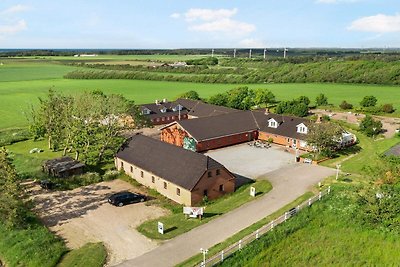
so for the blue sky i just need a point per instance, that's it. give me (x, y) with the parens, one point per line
(199, 23)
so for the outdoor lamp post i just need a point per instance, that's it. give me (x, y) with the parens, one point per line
(337, 170)
(204, 251)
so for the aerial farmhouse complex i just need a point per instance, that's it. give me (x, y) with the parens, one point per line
(179, 174)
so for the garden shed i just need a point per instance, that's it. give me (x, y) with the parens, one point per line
(63, 167)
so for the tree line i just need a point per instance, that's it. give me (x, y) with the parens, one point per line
(89, 124)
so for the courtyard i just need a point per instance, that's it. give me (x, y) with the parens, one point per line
(252, 162)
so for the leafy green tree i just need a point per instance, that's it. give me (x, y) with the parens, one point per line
(344, 105)
(321, 100)
(219, 100)
(303, 99)
(263, 97)
(240, 98)
(368, 101)
(12, 210)
(324, 137)
(370, 127)
(292, 108)
(190, 95)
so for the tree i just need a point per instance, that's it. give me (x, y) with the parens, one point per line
(368, 101)
(190, 95)
(303, 99)
(263, 97)
(370, 127)
(387, 108)
(344, 105)
(324, 137)
(240, 98)
(219, 100)
(12, 211)
(292, 108)
(321, 100)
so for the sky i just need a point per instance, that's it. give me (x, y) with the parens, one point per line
(159, 24)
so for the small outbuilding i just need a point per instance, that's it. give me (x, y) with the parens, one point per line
(63, 167)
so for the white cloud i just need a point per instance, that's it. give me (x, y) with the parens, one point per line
(209, 14)
(11, 29)
(379, 23)
(224, 25)
(251, 43)
(175, 16)
(15, 9)
(215, 20)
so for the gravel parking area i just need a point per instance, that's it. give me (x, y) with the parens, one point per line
(252, 162)
(83, 215)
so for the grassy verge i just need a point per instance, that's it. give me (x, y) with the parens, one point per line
(13, 135)
(235, 238)
(176, 223)
(90, 255)
(327, 234)
(31, 247)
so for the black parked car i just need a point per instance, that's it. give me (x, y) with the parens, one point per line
(124, 198)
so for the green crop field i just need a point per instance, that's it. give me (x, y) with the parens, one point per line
(22, 82)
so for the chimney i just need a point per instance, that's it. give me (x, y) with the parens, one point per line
(157, 102)
(266, 111)
(319, 119)
(165, 100)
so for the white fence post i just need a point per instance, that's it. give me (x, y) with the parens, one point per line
(222, 255)
(272, 224)
(329, 189)
(298, 208)
(320, 195)
(240, 244)
(309, 202)
(285, 215)
(257, 233)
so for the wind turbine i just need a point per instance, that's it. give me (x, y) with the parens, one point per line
(265, 52)
(250, 53)
(234, 53)
(284, 52)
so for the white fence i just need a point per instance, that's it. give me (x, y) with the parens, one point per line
(223, 254)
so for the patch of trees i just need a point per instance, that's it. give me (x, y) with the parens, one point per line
(203, 61)
(324, 137)
(88, 124)
(243, 98)
(193, 95)
(370, 127)
(12, 210)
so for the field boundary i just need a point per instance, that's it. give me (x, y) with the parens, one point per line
(237, 246)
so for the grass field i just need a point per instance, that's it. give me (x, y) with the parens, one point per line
(90, 255)
(22, 82)
(324, 235)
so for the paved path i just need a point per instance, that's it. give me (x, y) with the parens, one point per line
(288, 184)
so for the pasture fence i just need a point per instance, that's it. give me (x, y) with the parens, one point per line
(237, 246)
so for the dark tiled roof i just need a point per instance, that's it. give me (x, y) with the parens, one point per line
(62, 164)
(393, 151)
(175, 164)
(222, 125)
(286, 124)
(155, 109)
(206, 110)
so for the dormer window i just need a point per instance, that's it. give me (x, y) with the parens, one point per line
(163, 110)
(272, 123)
(177, 108)
(146, 111)
(301, 128)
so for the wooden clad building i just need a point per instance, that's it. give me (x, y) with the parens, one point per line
(179, 174)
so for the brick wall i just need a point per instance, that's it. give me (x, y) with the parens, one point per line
(226, 141)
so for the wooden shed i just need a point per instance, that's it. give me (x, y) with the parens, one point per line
(63, 167)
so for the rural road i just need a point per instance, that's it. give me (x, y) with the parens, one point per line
(288, 184)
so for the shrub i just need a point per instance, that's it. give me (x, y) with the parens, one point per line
(370, 127)
(345, 105)
(110, 175)
(387, 108)
(368, 101)
(321, 100)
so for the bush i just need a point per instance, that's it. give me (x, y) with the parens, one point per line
(387, 108)
(110, 175)
(321, 100)
(344, 105)
(368, 101)
(370, 127)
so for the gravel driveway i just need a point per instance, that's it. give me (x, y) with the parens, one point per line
(83, 215)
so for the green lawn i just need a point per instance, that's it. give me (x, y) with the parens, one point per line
(176, 223)
(324, 235)
(371, 150)
(90, 255)
(32, 247)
